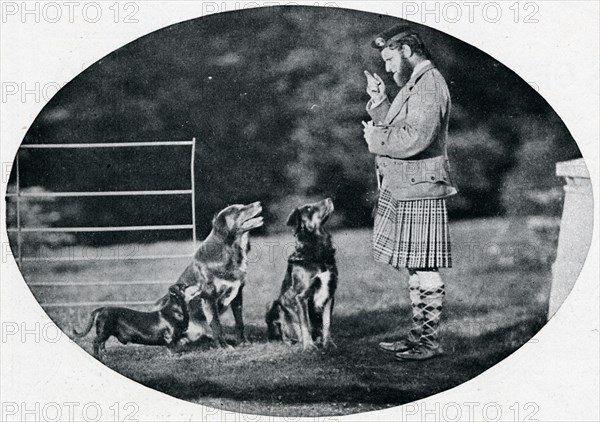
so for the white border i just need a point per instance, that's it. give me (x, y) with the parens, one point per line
(559, 54)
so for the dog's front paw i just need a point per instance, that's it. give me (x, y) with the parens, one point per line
(222, 344)
(309, 347)
(244, 342)
(329, 344)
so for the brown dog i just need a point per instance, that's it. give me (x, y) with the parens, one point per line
(219, 270)
(305, 305)
(160, 328)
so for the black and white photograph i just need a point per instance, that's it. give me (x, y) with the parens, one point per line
(297, 210)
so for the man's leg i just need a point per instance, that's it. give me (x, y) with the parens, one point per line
(430, 300)
(432, 292)
(417, 308)
(416, 330)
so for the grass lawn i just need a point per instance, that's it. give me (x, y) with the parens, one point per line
(496, 301)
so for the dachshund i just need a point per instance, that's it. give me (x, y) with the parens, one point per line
(159, 328)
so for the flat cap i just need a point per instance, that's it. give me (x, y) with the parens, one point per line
(392, 34)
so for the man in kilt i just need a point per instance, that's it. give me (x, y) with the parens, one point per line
(408, 137)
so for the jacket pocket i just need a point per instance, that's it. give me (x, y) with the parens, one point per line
(429, 171)
(415, 180)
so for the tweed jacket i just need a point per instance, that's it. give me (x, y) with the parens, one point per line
(409, 138)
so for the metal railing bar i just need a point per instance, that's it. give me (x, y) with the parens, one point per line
(102, 258)
(106, 193)
(99, 229)
(101, 283)
(108, 145)
(98, 304)
(193, 183)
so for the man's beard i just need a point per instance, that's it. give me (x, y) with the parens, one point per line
(406, 69)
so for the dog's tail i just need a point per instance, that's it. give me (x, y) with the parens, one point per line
(89, 325)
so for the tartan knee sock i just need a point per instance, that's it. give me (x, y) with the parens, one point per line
(417, 310)
(431, 304)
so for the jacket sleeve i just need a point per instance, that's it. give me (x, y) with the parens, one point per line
(414, 133)
(378, 111)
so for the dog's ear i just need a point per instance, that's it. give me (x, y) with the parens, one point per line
(218, 220)
(219, 223)
(294, 218)
(174, 290)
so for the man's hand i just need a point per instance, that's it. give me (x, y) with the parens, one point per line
(375, 87)
(368, 129)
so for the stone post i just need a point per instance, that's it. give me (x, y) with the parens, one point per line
(576, 228)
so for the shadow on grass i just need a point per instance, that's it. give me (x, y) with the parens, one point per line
(355, 372)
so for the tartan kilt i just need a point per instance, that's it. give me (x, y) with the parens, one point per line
(411, 234)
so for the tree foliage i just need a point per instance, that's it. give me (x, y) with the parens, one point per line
(275, 98)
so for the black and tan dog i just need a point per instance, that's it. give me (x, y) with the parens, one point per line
(160, 328)
(305, 305)
(219, 270)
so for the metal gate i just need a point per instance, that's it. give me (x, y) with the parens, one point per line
(20, 196)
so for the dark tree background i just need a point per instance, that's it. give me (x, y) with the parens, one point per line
(275, 97)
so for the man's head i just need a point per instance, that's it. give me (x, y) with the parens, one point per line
(401, 49)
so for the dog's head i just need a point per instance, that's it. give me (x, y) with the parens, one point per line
(176, 292)
(179, 293)
(310, 218)
(238, 219)
(176, 302)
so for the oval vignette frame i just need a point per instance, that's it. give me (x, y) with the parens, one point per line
(381, 320)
